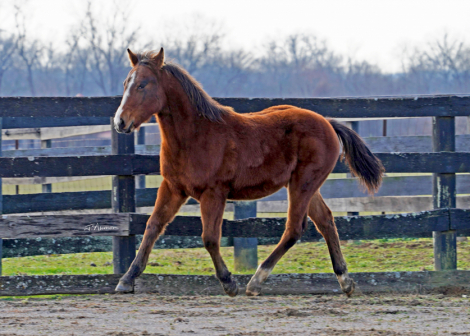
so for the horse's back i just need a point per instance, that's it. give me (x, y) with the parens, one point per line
(271, 144)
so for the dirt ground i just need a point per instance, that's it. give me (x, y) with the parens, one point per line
(147, 314)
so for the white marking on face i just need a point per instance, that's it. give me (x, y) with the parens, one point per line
(117, 117)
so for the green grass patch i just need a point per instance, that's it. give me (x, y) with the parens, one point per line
(384, 255)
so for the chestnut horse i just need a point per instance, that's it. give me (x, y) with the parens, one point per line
(212, 154)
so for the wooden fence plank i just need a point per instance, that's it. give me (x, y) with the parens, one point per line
(460, 219)
(391, 186)
(64, 225)
(393, 204)
(27, 122)
(341, 195)
(276, 284)
(58, 284)
(369, 204)
(80, 200)
(48, 133)
(59, 106)
(316, 283)
(75, 151)
(128, 164)
(135, 164)
(357, 227)
(443, 162)
(406, 144)
(412, 144)
(47, 179)
(387, 107)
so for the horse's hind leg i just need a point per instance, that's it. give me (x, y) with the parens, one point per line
(321, 215)
(167, 205)
(300, 193)
(212, 210)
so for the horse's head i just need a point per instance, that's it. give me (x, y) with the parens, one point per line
(143, 92)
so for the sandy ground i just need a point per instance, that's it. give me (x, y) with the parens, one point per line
(146, 314)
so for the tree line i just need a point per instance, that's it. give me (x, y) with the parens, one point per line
(94, 63)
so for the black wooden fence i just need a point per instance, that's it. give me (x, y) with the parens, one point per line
(445, 221)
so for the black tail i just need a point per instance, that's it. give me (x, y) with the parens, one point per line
(362, 163)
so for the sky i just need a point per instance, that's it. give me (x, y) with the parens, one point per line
(376, 31)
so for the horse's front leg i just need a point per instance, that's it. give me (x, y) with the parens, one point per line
(168, 202)
(212, 211)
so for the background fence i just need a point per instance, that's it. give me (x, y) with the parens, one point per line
(436, 193)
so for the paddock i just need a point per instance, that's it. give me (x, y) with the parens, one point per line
(150, 314)
(447, 219)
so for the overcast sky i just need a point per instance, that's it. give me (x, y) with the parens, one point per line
(372, 30)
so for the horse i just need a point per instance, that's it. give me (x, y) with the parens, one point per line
(213, 154)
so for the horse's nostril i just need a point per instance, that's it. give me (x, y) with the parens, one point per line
(121, 124)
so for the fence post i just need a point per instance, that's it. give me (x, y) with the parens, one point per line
(444, 194)
(123, 200)
(1, 196)
(354, 125)
(140, 140)
(245, 249)
(46, 188)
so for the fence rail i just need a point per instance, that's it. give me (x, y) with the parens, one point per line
(419, 224)
(123, 163)
(135, 164)
(347, 190)
(62, 108)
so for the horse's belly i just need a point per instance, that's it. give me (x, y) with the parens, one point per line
(253, 192)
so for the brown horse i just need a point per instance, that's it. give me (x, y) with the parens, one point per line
(212, 154)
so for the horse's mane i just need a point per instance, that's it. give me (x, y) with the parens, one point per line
(200, 100)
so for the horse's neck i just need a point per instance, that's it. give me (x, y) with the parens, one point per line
(178, 124)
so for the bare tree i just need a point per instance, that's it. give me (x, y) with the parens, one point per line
(195, 43)
(361, 78)
(443, 66)
(8, 46)
(28, 50)
(300, 66)
(107, 43)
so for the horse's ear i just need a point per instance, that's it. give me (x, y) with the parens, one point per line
(159, 58)
(132, 58)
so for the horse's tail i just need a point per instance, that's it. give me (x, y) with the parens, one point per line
(362, 163)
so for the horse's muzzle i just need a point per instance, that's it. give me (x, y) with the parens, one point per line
(121, 127)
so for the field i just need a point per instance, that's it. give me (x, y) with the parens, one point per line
(309, 257)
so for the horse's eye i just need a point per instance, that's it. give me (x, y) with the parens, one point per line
(142, 85)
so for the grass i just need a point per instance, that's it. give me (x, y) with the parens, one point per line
(312, 257)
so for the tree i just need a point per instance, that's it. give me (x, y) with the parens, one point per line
(8, 46)
(106, 43)
(29, 50)
(443, 66)
(299, 66)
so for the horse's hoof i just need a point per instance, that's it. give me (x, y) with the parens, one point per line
(231, 288)
(349, 288)
(123, 287)
(253, 290)
(252, 293)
